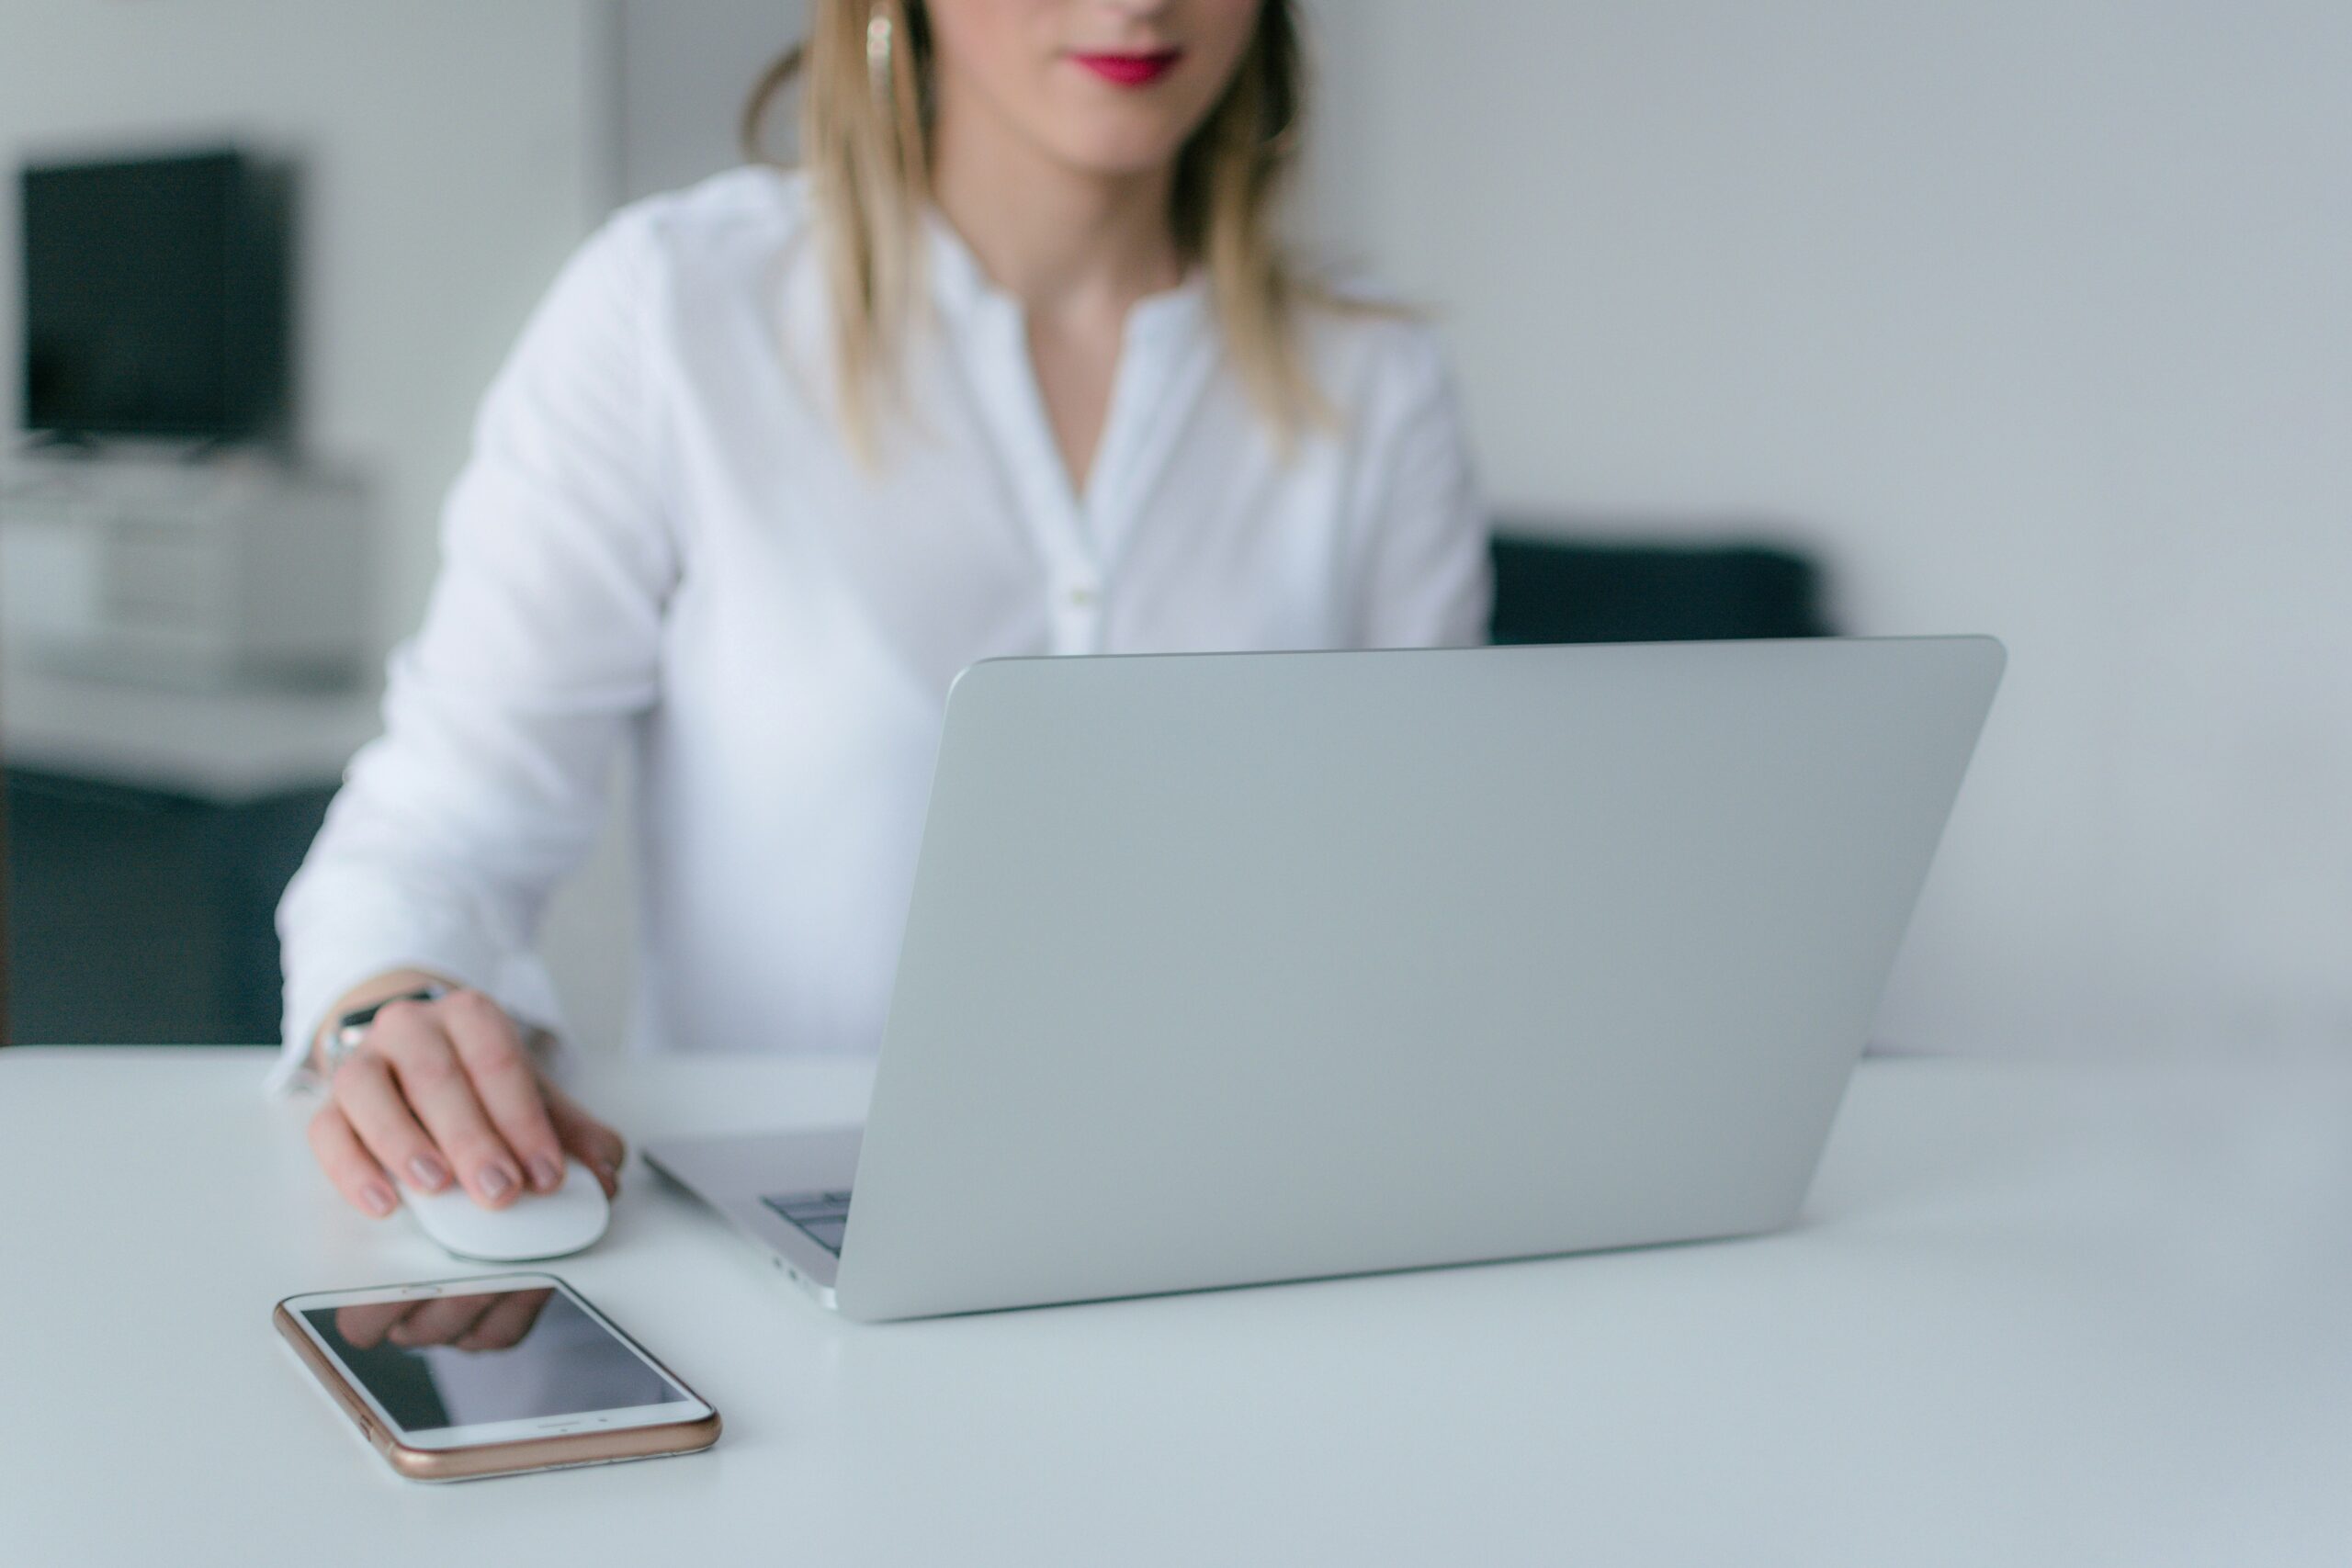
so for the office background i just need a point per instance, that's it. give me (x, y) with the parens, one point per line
(2029, 317)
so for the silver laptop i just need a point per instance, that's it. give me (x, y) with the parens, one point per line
(1231, 968)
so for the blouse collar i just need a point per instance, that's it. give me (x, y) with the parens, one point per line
(962, 290)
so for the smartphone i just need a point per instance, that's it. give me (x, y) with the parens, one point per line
(454, 1379)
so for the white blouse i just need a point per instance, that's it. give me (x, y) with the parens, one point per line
(660, 544)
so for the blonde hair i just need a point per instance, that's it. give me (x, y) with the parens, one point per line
(864, 126)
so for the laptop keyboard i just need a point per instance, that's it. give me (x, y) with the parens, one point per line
(821, 1216)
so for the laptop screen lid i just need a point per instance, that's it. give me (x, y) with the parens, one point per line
(1229, 968)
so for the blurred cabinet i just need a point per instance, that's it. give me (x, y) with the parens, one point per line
(149, 834)
(142, 917)
(219, 574)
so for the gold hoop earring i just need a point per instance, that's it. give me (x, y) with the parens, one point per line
(878, 51)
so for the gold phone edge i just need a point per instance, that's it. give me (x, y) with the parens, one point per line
(500, 1459)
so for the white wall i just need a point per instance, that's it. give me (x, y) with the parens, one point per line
(2037, 315)
(682, 74)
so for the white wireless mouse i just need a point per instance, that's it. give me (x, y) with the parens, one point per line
(537, 1225)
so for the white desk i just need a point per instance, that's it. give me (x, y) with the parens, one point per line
(2035, 1315)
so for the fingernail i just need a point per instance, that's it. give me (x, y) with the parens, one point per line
(430, 1173)
(375, 1198)
(496, 1180)
(545, 1175)
(610, 1177)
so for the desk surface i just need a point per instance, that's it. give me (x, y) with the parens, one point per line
(2033, 1314)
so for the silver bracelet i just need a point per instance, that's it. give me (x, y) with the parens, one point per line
(351, 1029)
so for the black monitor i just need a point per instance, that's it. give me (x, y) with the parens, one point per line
(156, 298)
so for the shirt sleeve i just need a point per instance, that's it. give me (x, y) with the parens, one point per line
(1425, 576)
(540, 644)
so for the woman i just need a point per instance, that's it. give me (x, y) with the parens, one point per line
(1011, 365)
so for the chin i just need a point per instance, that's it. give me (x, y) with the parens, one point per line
(1119, 150)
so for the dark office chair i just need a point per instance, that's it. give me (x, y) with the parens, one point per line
(1553, 584)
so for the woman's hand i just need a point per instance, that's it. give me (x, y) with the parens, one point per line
(443, 1090)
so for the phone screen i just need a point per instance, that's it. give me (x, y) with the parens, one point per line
(469, 1360)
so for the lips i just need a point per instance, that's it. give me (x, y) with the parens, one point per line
(1131, 69)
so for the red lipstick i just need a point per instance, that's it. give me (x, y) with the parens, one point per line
(1131, 69)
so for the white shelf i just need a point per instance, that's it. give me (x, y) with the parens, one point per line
(227, 747)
